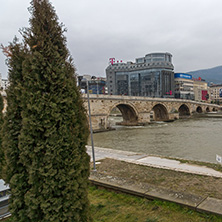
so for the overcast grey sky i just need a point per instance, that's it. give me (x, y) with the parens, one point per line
(191, 30)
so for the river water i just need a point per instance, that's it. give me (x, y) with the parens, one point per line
(195, 139)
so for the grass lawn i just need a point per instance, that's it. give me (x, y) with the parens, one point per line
(108, 206)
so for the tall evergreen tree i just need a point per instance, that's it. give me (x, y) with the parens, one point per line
(13, 171)
(54, 124)
(2, 157)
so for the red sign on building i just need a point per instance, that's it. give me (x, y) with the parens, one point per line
(112, 61)
(204, 95)
(197, 79)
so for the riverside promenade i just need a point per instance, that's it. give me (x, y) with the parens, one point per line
(199, 203)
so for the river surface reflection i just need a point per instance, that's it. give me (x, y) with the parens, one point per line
(196, 139)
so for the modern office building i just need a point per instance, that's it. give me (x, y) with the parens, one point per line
(97, 85)
(4, 84)
(183, 86)
(150, 76)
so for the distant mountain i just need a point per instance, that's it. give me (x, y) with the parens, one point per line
(210, 75)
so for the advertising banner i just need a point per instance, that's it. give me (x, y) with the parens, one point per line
(182, 75)
(204, 95)
(220, 92)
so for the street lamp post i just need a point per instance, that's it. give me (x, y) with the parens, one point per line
(90, 124)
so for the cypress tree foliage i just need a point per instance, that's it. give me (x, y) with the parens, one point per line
(54, 124)
(2, 158)
(13, 171)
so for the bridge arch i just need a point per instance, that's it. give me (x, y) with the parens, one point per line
(129, 113)
(160, 113)
(199, 109)
(214, 109)
(184, 110)
(207, 109)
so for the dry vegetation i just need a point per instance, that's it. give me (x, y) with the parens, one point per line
(152, 178)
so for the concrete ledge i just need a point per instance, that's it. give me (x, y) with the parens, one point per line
(187, 200)
(211, 205)
(128, 190)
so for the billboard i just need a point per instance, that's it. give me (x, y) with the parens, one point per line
(204, 95)
(182, 75)
(220, 92)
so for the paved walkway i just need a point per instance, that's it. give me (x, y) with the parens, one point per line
(199, 203)
(153, 161)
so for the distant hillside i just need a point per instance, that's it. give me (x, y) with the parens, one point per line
(210, 75)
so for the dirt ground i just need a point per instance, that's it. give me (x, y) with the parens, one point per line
(145, 177)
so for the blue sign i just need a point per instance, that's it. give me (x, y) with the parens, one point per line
(182, 75)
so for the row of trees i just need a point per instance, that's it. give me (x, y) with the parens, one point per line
(43, 155)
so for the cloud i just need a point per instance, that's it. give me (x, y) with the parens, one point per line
(127, 29)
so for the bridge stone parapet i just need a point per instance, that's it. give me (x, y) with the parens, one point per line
(141, 110)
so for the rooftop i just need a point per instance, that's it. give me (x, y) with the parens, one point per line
(3, 186)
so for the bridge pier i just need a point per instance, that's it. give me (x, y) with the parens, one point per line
(173, 116)
(143, 118)
(99, 122)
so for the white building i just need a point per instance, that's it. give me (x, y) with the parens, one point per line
(216, 93)
(184, 88)
(200, 90)
(4, 84)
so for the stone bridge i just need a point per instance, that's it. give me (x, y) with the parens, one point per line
(140, 110)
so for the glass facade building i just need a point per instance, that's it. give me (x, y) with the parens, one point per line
(96, 85)
(150, 76)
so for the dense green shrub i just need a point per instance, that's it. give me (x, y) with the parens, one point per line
(14, 172)
(2, 158)
(52, 128)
